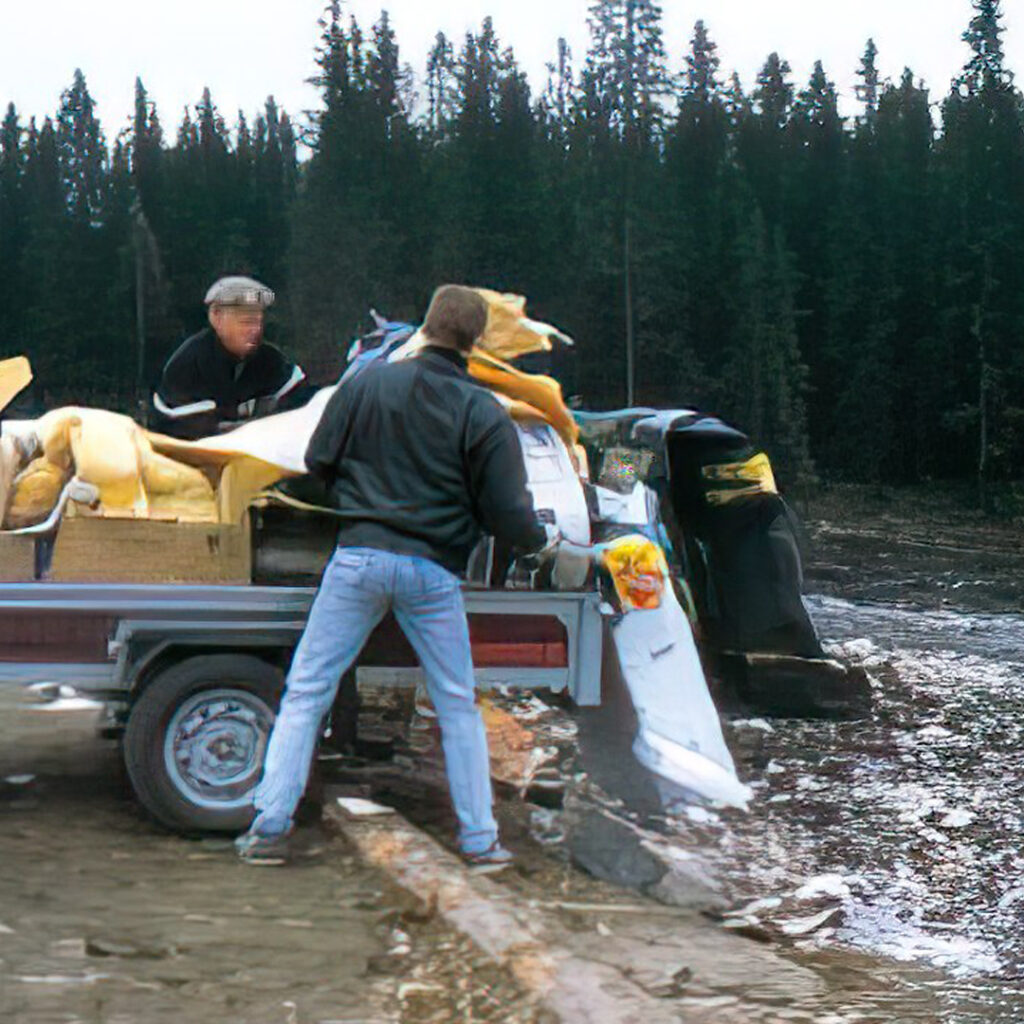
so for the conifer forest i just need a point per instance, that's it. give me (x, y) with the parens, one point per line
(849, 290)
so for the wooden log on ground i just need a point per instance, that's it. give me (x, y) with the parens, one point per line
(522, 939)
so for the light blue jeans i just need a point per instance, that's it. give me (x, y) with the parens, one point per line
(358, 588)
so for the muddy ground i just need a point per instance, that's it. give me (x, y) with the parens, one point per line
(926, 548)
(905, 826)
(106, 919)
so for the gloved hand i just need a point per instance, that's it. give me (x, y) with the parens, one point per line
(535, 559)
(550, 549)
(572, 565)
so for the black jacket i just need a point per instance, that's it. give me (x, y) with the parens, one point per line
(205, 390)
(420, 460)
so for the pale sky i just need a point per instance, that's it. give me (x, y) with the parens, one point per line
(245, 49)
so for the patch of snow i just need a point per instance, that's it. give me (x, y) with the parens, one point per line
(669, 852)
(823, 885)
(933, 732)
(957, 818)
(60, 979)
(880, 929)
(861, 648)
(935, 836)
(754, 908)
(796, 926)
(810, 784)
(70, 704)
(701, 815)
(760, 724)
(1010, 897)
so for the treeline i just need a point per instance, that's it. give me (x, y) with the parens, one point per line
(848, 290)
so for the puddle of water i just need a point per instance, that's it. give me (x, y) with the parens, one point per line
(997, 637)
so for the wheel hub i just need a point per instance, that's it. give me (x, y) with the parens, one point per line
(214, 747)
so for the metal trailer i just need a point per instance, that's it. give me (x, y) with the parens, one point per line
(191, 674)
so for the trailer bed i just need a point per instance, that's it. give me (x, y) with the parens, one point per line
(99, 637)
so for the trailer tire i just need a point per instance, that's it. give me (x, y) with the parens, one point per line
(196, 737)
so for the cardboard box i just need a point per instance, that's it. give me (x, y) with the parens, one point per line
(17, 559)
(89, 550)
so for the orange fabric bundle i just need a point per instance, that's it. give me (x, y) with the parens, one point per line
(534, 389)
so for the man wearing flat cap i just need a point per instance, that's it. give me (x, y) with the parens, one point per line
(227, 374)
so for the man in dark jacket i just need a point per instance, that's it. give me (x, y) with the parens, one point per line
(419, 460)
(226, 374)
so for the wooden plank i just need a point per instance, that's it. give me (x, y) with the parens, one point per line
(94, 550)
(17, 559)
(523, 939)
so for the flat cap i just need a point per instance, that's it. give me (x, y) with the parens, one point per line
(239, 291)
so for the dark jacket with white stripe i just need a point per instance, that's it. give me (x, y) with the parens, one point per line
(205, 390)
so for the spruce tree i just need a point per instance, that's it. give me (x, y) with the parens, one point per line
(626, 65)
(13, 228)
(624, 82)
(812, 223)
(85, 266)
(489, 180)
(146, 150)
(985, 68)
(764, 138)
(909, 224)
(981, 163)
(49, 324)
(82, 151)
(762, 378)
(441, 86)
(868, 88)
(695, 284)
(357, 234)
(556, 102)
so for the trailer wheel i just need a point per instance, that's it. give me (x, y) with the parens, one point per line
(196, 737)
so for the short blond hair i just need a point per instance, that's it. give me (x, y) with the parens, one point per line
(457, 317)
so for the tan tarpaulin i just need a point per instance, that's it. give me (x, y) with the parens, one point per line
(510, 332)
(15, 376)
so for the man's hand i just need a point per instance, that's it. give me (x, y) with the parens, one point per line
(533, 560)
(550, 549)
